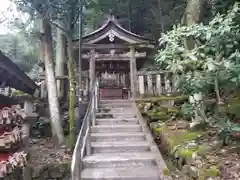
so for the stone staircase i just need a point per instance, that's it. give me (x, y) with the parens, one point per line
(121, 147)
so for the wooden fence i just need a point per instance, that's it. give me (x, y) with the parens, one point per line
(156, 83)
(149, 83)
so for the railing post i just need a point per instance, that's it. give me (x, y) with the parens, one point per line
(150, 84)
(141, 85)
(159, 84)
(88, 143)
(93, 111)
(96, 98)
(83, 144)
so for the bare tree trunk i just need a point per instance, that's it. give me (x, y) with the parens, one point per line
(60, 60)
(161, 15)
(80, 52)
(72, 96)
(41, 61)
(194, 12)
(51, 83)
(193, 15)
(129, 16)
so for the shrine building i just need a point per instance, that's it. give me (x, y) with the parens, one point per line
(113, 55)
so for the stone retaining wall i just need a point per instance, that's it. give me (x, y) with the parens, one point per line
(44, 172)
(47, 172)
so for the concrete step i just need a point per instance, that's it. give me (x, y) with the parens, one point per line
(117, 121)
(116, 128)
(115, 110)
(115, 115)
(120, 136)
(115, 105)
(137, 173)
(120, 147)
(120, 101)
(119, 160)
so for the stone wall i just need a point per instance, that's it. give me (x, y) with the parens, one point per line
(16, 175)
(47, 172)
(44, 172)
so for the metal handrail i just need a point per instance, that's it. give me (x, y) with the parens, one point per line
(83, 144)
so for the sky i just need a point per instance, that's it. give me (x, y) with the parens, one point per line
(5, 12)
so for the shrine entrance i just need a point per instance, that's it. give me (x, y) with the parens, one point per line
(114, 79)
(113, 55)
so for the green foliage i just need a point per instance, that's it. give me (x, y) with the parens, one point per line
(215, 56)
(41, 128)
(155, 15)
(187, 110)
(18, 48)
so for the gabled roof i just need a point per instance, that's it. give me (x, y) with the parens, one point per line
(11, 75)
(112, 30)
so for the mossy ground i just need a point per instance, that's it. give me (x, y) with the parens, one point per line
(199, 149)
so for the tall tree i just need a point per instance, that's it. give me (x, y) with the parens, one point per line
(46, 11)
(51, 83)
(60, 58)
(73, 13)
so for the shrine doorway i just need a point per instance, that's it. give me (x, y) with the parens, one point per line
(114, 79)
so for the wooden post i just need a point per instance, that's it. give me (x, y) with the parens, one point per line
(7, 91)
(141, 85)
(133, 71)
(28, 107)
(168, 88)
(28, 110)
(175, 78)
(159, 84)
(86, 89)
(92, 61)
(150, 84)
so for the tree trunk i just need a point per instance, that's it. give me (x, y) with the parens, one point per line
(41, 61)
(81, 21)
(72, 96)
(194, 12)
(161, 15)
(60, 60)
(193, 15)
(129, 16)
(51, 83)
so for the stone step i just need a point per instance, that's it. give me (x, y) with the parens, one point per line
(120, 136)
(115, 110)
(119, 160)
(116, 128)
(120, 101)
(117, 121)
(136, 173)
(115, 105)
(119, 147)
(115, 115)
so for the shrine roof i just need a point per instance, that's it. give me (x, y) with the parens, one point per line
(112, 31)
(11, 75)
(5, 100)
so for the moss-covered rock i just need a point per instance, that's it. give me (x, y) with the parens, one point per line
(210, 172)
(159, 130)
(187, 153)
(163, 98)
(166, 172)
(155, 116)
(204, 149)
(182, 136)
